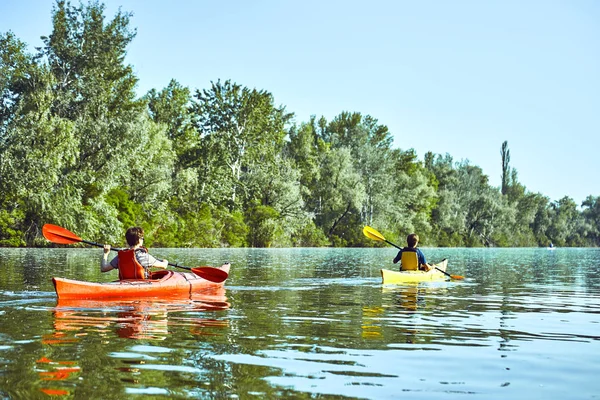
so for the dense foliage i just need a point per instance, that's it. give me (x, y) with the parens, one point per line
(226, 166)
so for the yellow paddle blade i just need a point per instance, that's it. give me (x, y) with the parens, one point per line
(373, 234)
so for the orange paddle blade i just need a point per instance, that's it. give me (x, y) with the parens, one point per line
(60, 235)
(459, 277)
(210, 274)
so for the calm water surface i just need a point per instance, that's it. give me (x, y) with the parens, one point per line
(309, 323)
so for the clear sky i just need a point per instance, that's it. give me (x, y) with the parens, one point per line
(457, 77)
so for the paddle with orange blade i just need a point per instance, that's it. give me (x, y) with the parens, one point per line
(60, 235)
(375, 235)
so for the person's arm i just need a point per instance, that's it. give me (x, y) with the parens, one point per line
(398, 257)
(105, 265)
(423, 261)
(161, 264)
(156, 263)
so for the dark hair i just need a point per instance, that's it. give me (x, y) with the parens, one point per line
(412, 240)
(133, 235)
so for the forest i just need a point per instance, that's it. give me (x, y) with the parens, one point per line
(225, 166)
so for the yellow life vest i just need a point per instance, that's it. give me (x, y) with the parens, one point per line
(409, 261)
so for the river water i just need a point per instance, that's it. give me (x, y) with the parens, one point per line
(309, 323)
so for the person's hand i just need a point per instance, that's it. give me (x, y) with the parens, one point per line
(106, 248)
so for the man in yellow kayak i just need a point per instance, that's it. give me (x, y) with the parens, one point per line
(411, 258)
(134, 262)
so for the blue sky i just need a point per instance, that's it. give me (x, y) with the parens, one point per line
(457, 77)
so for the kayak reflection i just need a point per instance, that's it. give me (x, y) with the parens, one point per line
(410, 297)
(147, 319)
(402, 315)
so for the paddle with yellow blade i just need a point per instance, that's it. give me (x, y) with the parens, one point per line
(60, 235)
(375, 235)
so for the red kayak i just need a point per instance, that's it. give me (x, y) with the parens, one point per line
(164, 284)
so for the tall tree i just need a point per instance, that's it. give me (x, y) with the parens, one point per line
(86, 54)
(340, 195)
(505, 153)
(448, 215)
(16, 66)
(172, 108)
(591, 215)
(566, 223)
(306, 148)
(373, 160)
(412, 195)
(80, 132)
(35, 145)
(236, 127)
(277, 214)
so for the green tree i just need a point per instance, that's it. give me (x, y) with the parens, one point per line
(376, 165)
(86, 55)
(591, 215)
(340, 194)
(16, 65)
(77, 131)
(469, 211)
(236, 128)
(306, 148)
(483, 205)
(35, 145)
(17, 70)
(531, 221)
(566, 221)
(448, 216)
(278, 198)
(505, 153)
(172, 107)
(542, 221)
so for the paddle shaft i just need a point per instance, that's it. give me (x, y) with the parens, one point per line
(99, 245)
(395, 245)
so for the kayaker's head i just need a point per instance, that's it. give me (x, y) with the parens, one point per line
(412, 240)
(134, 236)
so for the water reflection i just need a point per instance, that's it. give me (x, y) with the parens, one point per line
(406, 298)
(74, 321)
(148, 319)
(409, 298)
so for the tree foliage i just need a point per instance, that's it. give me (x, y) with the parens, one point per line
(226, 165)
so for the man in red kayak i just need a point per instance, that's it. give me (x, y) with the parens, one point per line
(412, 258)
(134, 262)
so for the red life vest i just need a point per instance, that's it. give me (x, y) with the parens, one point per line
(129, 267)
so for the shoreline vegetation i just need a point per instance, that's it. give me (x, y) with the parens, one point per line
(225, 166)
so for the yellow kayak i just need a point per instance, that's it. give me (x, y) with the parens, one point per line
(389, 276)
